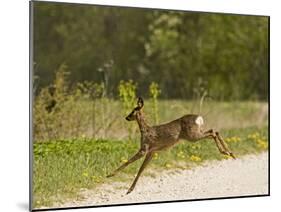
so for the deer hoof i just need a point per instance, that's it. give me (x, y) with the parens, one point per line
(129, 191)
(232, 156)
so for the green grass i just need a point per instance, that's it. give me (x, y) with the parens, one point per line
(63, 167)
(77, 119)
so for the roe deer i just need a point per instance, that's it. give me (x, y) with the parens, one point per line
(157, 138)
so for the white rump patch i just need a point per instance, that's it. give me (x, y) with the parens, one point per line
(199, 120)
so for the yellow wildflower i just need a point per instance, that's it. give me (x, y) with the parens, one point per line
(96, 178)
(227, 156)
(155, 156)
(85, 174)
(124, 160)
(262, 144)
(168, 165)
(181, 154)
(235, 139)
(195, 158)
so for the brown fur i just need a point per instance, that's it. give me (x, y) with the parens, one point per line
(160, 137)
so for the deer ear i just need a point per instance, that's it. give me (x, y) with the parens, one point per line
(140, 102)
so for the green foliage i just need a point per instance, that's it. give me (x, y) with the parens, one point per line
(62, 168)
(154, 92)
(228, 52)
(48, 118)
(83, 111)
(91, 90)
(187, 47)
(127, 95)
(63, 112)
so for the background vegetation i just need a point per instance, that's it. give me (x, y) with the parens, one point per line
(90, 64)
(227, 55)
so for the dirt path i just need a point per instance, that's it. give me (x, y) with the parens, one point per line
(245, 176)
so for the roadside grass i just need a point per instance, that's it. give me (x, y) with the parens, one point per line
(62, 167)
(239, 114)
(105, 118)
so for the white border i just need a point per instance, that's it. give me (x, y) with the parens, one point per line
(14, 104)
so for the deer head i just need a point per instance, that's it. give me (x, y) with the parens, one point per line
(133, 115)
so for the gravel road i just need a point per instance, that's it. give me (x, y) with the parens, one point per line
(245, 176)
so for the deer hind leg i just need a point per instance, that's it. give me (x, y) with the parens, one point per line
(137, 156)
(224, 145)
(221, 145)
(144, 164)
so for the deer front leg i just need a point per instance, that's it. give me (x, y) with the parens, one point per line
(144, 164)
(221, 145)
(137, 156)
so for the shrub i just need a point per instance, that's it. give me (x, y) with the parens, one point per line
(127, 95)
(154, 92)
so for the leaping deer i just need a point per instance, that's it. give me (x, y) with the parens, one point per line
(160, 137)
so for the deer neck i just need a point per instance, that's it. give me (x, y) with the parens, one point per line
(141, 122)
